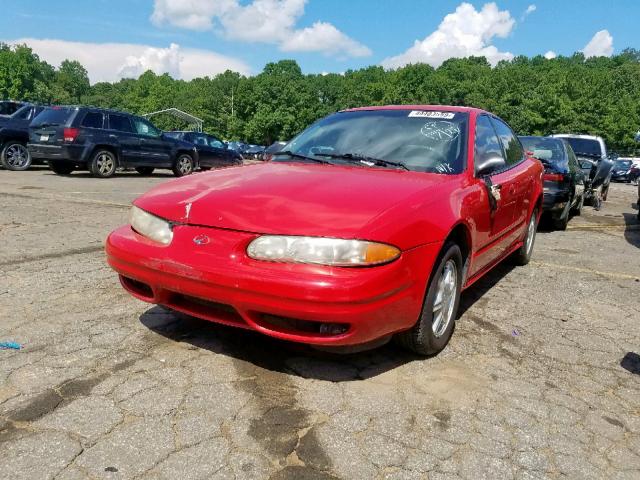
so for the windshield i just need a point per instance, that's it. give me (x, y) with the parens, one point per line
(54, 116)
(422, 141)
(623, 164)
(545, 149)
(585, 146)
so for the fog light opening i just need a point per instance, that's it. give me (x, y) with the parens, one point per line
(333, 328)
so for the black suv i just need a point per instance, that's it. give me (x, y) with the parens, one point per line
(14, 135)
(102, 140)
(212, 152)
(9, 107)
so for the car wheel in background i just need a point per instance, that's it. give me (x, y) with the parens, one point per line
(61, 168)
(15, 156)
(432, 331)
(183, 165)
(562, 221)
(145, 170)
(523, 255)
(103, 164)
(577, 210)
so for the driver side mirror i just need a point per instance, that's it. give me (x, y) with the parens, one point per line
(490, 164)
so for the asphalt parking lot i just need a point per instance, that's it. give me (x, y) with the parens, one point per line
(540, 380)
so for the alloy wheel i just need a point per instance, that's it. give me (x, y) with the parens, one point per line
(17, 156)
(184, 165)
(531, 233)
(105, 164)
(445, 298)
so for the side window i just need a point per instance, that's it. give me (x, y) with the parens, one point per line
(144, 127)
(215, 143)
(24, 113)
(487, 143)
(199, 139)
(93, 120)
(514, 152)
(120, 123)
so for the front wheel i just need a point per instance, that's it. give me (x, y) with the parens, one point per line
(15, 156)
(434, 328)
(103, 164)
(61, 168)
(523, 255)
(183, 165)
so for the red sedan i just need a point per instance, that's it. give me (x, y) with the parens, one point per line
(368, 224)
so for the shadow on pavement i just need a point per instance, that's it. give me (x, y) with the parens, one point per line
(632, 229)
(273, 354)
(482, 286)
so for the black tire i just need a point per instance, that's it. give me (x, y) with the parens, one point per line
(15, 156)
(605, 192)
(103, 164)
(183, 165)
(523, 254)
(61, 168)
(421, 338)
(562, 222)
(577, 210)
(145, 170)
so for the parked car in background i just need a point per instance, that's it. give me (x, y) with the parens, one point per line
(592, 155)
(254, 151)
(9, 107)
(621, 170)
(634, 173)
(212, 152)
(563, 178)
(275, 147)
(101, 141)
(14, 135)
(369, 225)
(237, 146)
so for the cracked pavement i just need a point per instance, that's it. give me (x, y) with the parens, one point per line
(541, 378)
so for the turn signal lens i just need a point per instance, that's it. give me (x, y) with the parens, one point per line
(323, 251)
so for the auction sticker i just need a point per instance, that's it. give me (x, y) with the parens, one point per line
(432, 114)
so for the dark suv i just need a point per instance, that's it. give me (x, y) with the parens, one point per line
(14, 135)
(102, 140)
(212, 152)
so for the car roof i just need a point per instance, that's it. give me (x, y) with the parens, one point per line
(446, 108)
(576, 135)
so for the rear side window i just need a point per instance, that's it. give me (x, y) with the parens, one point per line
(512, 147)
(23, 114)
(120, 123)
(199, 139)
(93, 120)
(54, 116)
(487, 143)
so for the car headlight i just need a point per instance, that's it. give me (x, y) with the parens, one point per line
(150, 226)
(319, 250)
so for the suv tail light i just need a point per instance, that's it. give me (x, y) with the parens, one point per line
(70, 134)
(554, 177)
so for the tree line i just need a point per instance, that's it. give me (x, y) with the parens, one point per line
(536, 96)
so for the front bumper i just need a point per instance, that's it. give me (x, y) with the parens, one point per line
(219, 283)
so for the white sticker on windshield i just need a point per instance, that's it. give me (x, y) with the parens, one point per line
(432, 114)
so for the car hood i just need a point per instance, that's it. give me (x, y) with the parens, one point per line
(298, 199)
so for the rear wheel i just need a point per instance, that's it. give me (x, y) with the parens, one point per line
(183, 165)
(605, 192)
(15, 156)
(432, 331)
(577, 210)
(145, 170)
(523, 255)
(61, 168)
(561, 222)
(103, 164)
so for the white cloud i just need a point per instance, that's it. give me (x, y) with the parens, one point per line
(264, 21)
(530, 9)
(466, 32)
(600, 45)
(112, 61)
(550, 54)
(326, 38)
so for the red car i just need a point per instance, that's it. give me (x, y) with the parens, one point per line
(368, 224)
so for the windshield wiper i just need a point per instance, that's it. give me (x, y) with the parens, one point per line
(303, 157)
(354, 157)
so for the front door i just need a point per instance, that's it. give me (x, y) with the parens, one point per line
(154, 150)
(120, 132)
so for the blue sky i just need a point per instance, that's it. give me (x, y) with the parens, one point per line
(116, 38)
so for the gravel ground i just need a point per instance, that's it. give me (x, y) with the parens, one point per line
(541, 378)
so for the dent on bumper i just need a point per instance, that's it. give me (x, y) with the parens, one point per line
(218, 282)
